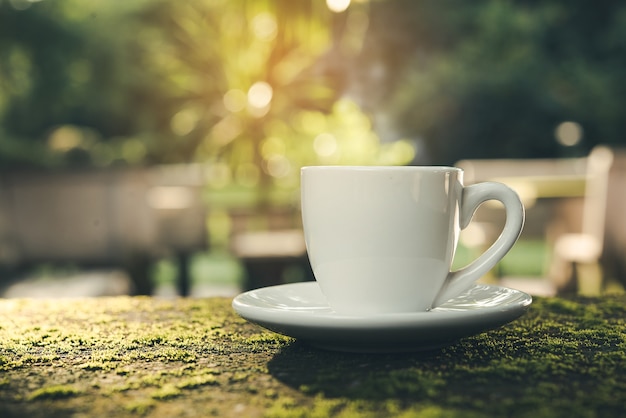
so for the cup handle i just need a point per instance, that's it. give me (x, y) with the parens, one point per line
(473, 196)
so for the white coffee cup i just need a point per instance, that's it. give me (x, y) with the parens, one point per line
(382, 239)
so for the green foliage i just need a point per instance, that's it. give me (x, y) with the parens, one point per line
(495, 78)
(230, 83)
(259, 88)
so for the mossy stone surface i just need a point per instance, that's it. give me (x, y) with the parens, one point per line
(196, 358)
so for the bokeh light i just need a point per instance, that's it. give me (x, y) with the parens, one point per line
(235, 100)
(260, 95)
(65, 138)
(325, 144)
(273, 146)
(264, 26)
(278, 166)
(184, 121)
(133, 150)
(569, 133)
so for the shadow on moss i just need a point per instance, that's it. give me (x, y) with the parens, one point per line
(559, 359)
(367, 376)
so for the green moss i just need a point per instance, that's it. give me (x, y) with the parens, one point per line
(197, 381)
(54, 392)
(144, 356)
(166, 392)
(140, 407)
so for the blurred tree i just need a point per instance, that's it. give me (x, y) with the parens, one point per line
(233, 83)
(259, 88)
(252, 101)
(493, 78)
(61, 65)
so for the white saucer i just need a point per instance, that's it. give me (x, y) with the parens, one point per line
(300, 310)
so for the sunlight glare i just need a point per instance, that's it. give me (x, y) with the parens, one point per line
(338, 6)
(260, 95)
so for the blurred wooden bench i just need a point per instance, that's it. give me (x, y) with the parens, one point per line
(104, 218)
(269, 243)
(572, 222)
(272, 257)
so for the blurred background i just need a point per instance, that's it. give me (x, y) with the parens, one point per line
(154, 146)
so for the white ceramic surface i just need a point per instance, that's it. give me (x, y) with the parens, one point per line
(300, 310)
(382, 239)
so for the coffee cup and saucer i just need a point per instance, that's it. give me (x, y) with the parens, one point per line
(381, 241)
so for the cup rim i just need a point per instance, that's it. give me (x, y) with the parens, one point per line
(427, 168)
